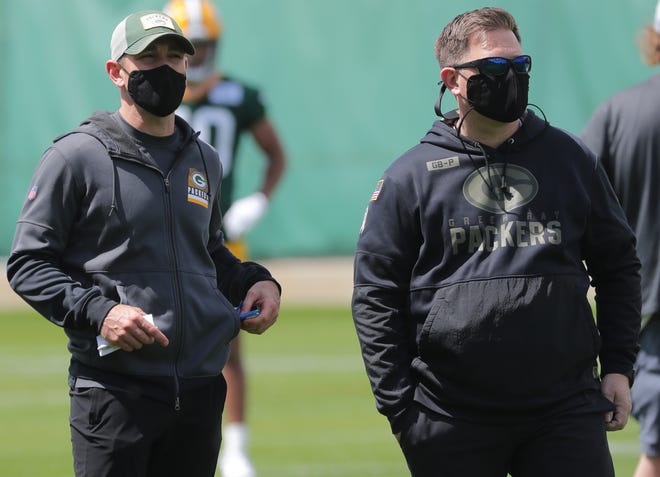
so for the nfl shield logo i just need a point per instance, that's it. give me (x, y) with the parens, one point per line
(33, 193)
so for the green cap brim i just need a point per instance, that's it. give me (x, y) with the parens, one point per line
(142, 44)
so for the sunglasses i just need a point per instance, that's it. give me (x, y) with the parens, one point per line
(497, 66)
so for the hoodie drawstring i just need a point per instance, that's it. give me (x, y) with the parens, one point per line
(113, 205)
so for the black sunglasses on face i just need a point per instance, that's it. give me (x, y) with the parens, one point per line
(497, 66)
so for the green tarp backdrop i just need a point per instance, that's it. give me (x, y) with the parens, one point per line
(350, 84)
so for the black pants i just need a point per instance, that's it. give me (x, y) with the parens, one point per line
(563, 445)
(117, 433)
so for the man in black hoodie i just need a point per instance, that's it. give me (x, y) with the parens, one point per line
(471, 277)
(119, 242)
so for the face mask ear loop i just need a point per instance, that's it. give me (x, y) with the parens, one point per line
(121, 67)
(438, 104)
(451, 117)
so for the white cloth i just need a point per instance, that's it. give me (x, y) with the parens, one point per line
(244, 214)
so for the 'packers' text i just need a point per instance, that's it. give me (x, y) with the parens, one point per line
(513, 233)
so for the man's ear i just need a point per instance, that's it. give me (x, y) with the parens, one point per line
(114, 69)
(449, 77)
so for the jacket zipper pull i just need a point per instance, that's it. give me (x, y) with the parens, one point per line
(177, 404)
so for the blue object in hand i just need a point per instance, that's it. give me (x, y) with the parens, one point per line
(247, 314)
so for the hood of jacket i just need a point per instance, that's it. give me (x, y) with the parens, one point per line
(106, 128)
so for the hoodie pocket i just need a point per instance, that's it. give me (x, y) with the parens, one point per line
(509, 334)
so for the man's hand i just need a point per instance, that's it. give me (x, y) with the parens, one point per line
(124, 326)
(265, 296)
(616, 388)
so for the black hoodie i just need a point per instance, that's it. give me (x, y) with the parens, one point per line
(470, 280)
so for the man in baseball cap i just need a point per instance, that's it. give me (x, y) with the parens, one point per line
(138, 30)
(156, 87)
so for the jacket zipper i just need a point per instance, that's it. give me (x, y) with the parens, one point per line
(177, 293)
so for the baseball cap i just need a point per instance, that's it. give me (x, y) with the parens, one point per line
(138, 30)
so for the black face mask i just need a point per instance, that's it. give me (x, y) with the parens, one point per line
(502, 98)
(158, 90)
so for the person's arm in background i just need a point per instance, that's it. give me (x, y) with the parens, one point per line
(267, 139)
(244, 213)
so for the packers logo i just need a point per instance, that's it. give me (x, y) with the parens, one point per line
(522, 188)
(198, 179)
(198, 188)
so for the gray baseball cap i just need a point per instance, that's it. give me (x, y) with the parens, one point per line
(138, 30)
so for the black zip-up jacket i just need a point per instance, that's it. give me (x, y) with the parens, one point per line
(470, 289)
(102, 225)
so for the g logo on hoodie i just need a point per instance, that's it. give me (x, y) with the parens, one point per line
(198, 188)
(523, 187)
(523, 230)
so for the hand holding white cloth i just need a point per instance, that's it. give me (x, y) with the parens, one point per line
(244, 214)
(104, 348)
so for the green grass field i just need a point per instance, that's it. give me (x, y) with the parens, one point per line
(311, 410)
